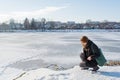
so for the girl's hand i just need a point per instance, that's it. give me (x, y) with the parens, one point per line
(89, 58)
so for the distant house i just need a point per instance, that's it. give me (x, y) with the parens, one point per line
(116, 26)
(71, 24)
(19, 26)
(57, 25)
(49, 25)
(78, 26)
(64, 26)
(4, 26)
(52, 25)
(38, 25)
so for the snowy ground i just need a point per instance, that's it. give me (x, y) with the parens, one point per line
(24, 53)
(106, 73)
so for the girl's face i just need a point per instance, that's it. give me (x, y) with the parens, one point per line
(83, 44)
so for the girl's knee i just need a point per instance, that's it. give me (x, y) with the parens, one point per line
(82, 64)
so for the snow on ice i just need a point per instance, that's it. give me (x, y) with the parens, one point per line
(25, 54)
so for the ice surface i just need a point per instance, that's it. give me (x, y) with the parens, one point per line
(34, 50)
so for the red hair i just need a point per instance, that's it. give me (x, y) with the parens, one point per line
(84, 39)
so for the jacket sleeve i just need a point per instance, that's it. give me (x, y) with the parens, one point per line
(95, 50)
(83, 56)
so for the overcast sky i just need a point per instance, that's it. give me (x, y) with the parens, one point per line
(61, 10)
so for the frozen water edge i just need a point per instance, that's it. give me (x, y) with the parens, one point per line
(28, 51)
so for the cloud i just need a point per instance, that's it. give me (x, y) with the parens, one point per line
(41, 12)
(44, 11)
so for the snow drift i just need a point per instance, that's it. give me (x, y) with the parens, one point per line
(105, 73)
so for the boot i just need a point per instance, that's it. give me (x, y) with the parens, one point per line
(95, 68)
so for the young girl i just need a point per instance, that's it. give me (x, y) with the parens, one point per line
(89, 56)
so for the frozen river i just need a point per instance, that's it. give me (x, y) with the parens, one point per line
(26, 51)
